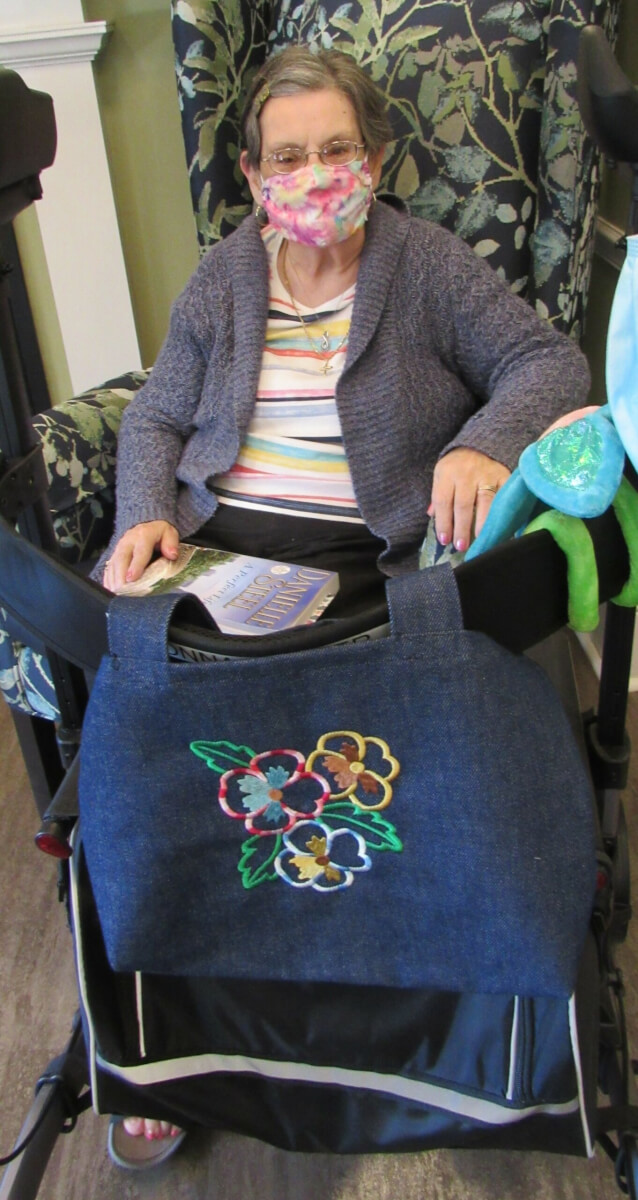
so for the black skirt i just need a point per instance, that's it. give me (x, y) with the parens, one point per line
(348, 548)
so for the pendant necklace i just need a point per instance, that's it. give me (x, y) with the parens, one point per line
(321, 348)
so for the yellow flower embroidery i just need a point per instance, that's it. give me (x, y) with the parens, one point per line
(345, 762)
(317, 862)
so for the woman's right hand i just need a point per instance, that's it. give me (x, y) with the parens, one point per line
(135, 549)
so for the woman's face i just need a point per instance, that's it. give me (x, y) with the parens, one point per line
(307, 120)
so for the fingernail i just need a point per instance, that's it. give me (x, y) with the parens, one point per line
(460, 544)
(443, 538)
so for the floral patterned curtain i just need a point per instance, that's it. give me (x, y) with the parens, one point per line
(488, 137)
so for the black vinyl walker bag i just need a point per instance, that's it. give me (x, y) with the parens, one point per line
(407, 812)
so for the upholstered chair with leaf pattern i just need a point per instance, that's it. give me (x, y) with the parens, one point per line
(482, 99)
(488, 141)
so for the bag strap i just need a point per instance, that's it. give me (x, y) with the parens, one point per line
(421, 603)
(138, 627)
(425, 602)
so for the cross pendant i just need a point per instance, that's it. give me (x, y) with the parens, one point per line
(327, 366)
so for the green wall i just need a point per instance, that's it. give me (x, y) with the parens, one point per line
(137, 96)
(614, 207)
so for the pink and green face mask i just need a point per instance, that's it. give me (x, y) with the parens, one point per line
(319, 205)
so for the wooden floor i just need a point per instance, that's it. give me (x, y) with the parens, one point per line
(38, 997)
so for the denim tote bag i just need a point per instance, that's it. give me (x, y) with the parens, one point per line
(411, 811)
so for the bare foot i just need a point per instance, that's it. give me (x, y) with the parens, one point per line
(151, 1130)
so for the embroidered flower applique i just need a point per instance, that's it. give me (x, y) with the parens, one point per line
(361, 767)
(316, 856)
(275, 790)
(312, 823)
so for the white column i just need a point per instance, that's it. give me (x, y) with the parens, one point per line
(77, 211)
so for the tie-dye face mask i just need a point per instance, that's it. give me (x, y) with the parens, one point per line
(319, 205)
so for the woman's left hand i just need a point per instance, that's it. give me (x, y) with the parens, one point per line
(464, 485)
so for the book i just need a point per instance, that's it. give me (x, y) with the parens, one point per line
(244, 595)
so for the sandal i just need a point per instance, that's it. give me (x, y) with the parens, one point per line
(137, 1153)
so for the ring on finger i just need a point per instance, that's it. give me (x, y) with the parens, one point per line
(488, 487)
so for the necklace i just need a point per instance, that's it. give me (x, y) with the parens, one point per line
(321, 348)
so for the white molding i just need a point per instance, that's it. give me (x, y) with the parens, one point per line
(76, 215)
(52, 46)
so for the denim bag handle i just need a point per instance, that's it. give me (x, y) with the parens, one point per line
(424, 602)
(421, 603)
(138, 626)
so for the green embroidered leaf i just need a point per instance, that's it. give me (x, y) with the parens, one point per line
(222, 756)
(256, 863)
(373, 826)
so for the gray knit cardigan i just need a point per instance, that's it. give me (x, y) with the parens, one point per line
(440, 355)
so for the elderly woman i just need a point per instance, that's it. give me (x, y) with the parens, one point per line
(336, 371)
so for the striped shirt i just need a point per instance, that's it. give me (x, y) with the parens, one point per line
(293, 459)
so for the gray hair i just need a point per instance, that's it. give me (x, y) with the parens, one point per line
(298, 69)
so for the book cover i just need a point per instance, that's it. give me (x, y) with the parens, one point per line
(242, 593)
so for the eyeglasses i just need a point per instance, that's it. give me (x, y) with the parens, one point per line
(334, 154)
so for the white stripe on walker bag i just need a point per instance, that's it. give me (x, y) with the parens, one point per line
(486, 1111)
